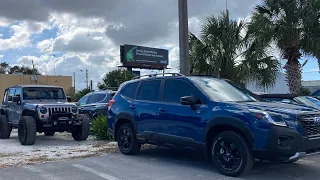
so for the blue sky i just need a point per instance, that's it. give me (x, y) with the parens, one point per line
(87, 36)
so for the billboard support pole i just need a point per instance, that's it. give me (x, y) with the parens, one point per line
(129, 69)
(183, 37)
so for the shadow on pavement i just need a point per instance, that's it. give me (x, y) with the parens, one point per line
(303, 169)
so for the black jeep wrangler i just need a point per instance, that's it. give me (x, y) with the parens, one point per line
(39, 108)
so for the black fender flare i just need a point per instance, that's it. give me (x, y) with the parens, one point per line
(231, 122)
(126, 116)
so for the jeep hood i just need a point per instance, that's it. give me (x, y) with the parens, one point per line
(50, 103)
(274, 107)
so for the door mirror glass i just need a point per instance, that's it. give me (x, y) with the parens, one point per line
(188, 100)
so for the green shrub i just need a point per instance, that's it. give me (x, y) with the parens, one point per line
(99, 128)
(305, 91)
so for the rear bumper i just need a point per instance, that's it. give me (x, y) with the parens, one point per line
(287, 144)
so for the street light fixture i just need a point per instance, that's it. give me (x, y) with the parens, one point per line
(74, 79)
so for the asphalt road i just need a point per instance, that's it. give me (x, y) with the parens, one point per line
(158, 164)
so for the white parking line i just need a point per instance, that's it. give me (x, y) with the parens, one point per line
(103, 175)
(41, 173)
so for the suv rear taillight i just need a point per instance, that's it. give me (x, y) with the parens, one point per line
(111, 102)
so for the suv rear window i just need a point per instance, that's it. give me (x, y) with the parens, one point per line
(149, 90)
(130, 90)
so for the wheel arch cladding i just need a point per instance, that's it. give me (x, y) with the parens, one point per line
(220, 124)
(122, 119)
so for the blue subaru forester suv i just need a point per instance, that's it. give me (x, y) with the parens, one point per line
(211, 115)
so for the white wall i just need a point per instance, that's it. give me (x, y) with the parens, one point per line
(280, 86)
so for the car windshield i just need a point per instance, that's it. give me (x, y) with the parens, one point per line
(309, 101)
(32, 93)
(220, 90)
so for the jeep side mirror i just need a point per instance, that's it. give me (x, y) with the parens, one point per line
(16, 99)
(188, 100)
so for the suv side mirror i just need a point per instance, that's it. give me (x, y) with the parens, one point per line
(188, 100)
(16, 99)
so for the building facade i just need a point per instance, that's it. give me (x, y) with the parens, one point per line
(7, 80)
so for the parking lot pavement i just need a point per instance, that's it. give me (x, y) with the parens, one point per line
(61, 146)
(158, 163)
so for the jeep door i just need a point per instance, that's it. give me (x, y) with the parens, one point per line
(11, 106)
(180, 123)
(4, 105)
(16, 106)
(146, 106)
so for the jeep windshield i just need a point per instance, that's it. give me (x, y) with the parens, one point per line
(38, 93)
(220, 90)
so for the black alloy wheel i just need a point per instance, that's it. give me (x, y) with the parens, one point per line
(127, 140)
(228, 155)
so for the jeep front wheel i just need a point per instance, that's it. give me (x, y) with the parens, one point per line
(81, 133)
(231, 154)
(5, 129)
(27, 131)
(127, 140)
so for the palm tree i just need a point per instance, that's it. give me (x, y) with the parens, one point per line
(311, 37)
(226, 51)
(286, 23)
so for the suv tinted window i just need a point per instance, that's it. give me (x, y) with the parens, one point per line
(83, 100)
(96, 98)
(130, 90)
(149, 90)
(175, 89)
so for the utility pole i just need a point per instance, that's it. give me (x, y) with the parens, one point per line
(87, 79)
(184, 37)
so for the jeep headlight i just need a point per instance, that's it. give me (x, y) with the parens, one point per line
(264, 116)
(43, 110)
(74, 109)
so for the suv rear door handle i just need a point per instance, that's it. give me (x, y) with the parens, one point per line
(162, 109)
(132, 106)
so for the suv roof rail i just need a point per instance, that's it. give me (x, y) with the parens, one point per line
(161, 74)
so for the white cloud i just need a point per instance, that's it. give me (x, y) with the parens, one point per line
(20, 38)
(81, 40)
(45, 46)
(5, 22)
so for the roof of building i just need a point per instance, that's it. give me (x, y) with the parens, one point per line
(35, 86)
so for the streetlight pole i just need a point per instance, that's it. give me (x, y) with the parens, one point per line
(74, 80)
(183, 37)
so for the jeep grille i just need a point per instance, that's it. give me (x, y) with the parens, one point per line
(310, 125)
(51, 110)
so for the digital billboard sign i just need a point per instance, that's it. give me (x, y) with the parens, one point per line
(144, 57)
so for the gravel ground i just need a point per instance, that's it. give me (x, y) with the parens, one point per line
(47, 149)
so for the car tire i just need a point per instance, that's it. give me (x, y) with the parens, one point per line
(231, 154)
(81, 132)
(27, 130)
(5, 129)
(49, 133)
(127, 140)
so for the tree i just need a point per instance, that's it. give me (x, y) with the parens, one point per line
(226, 51)
(114, 79)
(23, 69)
(286, 23)
(76, 97)
(4, 67)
